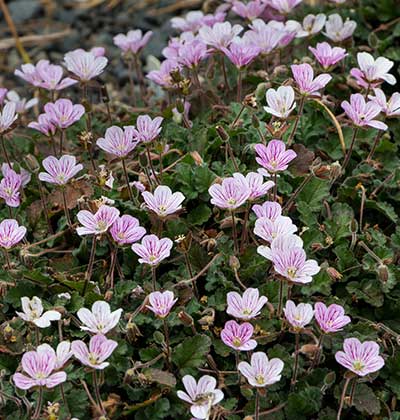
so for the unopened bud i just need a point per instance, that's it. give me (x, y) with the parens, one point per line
(383, 272)
(129, 375)
(323, 172)
(180, 106)
(108, 296)
(7, 332)
(234, 262)
(198, 160)
(317, 246)
(32, 163)
(336, 169)
(185, 318)
(132, 332)
(333, 273)
(224, 136)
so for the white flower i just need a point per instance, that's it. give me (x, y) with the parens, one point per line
(280, 102)
(100, 320)
(21, 104)
(33, 312)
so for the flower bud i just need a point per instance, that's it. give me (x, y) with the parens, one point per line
(224, 136)
(132, 332)
(32, 163)
(333, 273)
(129, 376)
(383, 272)
(198, 160)
(185, 318)
(234, 262)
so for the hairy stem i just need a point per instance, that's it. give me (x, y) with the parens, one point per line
(343, 397)
(350, 151)
(89, 269)
(297, 120)
(127, 180)
(234, 233)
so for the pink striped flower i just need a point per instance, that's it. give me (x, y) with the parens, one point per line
(360, 358)
(44, 125)
(298, 316)
(10, 187)
(292, 264)
(11, 233)
(238, 336)
(39, 366)
(269, 230)
(30, 74)
(59, 171)
(147, 129)
(25, 175)
(99, 320)
(390, 107)
(163, 202)
(274, 157)
(126, 230)
(161, 303)
(327, 56)
(98, 223)
(263, 36)
(51, 76)
(304, 76)
(62, 354)
(254, 182)
(152, 250)
(192, 52)
(337, 30)
(280, 102)
(371, 72)
(261, 372)
(201, 395)
(280, 245)
(7, 117)
(94, 356)
(269, 209)
(247, 306)
(240, 53)
(362, 113)
(117, 141)
(250, 11)
(63, 113)
(229, 195)
(85, 65)
(133, 41)
(162, 77)
(22, 105)
(220, 35)
(312, 25)
(330, 319)
(284, 6)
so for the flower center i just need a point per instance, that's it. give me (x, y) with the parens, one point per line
(40, 375)
(231, 201)
(246, 311)
(358, 365)
(237, 342)
(101, 225)
(291, 271)
(162, 208)
(259, 379)
(93, 358)
(152, 258)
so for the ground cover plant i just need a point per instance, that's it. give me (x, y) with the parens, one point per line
(213, 233)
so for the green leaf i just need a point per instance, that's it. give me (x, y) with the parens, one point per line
(365, 400)
(191, 352)
(199, 215)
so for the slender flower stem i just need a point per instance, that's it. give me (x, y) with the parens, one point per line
(127, 180)
(89, 269)
(110, 276)
(378, 137)
(352, 391)
(239, 86)
(97, 392)
(275, 179)
(131, 82)
(318, 353)
(65, 401)
(238, 116)
(139, 75)
(280, 302)
(232, 156)
(296, 360)
(245, 235)
(342, 398)
(62, 137)
(3, 145)
(298, 190)
(297, 120)
(53, 145)
(350, 151)
(37, 335)
(36, 414)
(154, 277)
(234, 233)
(257, 406)
(44, 205)
(150, 162)
(7, 258)
(190, 272)
(167, 347)
(226, 83)
(65, 205)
